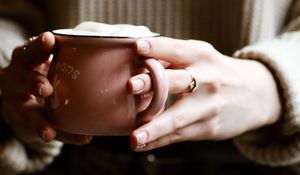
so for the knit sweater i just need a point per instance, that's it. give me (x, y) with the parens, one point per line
(264, 30)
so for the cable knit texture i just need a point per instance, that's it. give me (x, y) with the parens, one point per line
(9, 40)
(229, 25)
(286, 55)
(16, 157)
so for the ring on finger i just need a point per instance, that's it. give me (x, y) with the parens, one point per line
(193, 85)
(26, 57)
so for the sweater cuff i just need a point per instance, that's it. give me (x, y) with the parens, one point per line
(17, 157)
(11, 36)
(277, 144)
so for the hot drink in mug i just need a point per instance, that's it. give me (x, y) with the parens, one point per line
(89, 72)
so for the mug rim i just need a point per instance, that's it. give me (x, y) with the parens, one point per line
(63, 32)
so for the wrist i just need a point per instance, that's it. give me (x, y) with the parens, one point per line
(259, 79)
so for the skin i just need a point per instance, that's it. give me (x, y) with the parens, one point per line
(24, 86)
(233, 95)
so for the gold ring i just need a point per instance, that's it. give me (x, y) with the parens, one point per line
(32, 38)
(25, 55)
(193, 85)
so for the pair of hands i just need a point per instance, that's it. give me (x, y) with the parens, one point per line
(233, 96)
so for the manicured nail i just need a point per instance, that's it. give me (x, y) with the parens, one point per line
(86, 139)
(40, 89)
(43, 135)
(137, 85)
(43, 37)
(141, 138)
(143, 46)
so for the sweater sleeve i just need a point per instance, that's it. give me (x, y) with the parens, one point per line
(278, 144)
(11, 35)
(15, 156)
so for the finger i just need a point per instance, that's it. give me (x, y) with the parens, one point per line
(73, 139)
(41, 86)
(48, 133)
(139, 84)
(143, 101)
(43, 128)
(36, 84)
(174, 118)
(200, 130)
(43, 68)
(140, 69)
(179, 82)
(164, 63)
(179, 53)
(38, 50)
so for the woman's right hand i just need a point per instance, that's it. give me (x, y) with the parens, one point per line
(217, 97)
(24, 87)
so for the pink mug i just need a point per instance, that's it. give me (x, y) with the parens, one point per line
(89, 76)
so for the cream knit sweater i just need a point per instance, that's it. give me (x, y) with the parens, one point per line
(264, 30)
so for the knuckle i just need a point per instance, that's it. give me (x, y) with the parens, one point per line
(40, 78)
(175, 137)
(174, 86)
(176, 81)
(179, 46)
(179, 50)
(214, 124)
(218, 105)
(212, 129)
(178, 121)
(215, 85)
(206, 51)
(208, 46)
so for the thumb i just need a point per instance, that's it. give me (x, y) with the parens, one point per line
(36, 50)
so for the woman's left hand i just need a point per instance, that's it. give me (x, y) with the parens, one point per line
(231, 96)
(24, 87)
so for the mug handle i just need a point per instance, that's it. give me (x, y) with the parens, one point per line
(160, 89)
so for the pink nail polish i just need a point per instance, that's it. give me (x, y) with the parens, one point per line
(141, 139)
(43, 37)
(43, 135)
(137, 85)
(143, 46)
(40, 89)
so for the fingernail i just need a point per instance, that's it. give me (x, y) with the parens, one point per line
(43, 135)
(40, 89)
(43, 37)
(141, 139)
(143, 46)
(86, 139)
(137, 85)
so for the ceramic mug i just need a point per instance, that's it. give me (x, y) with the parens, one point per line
(89, 76)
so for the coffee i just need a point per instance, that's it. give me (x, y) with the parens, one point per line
(110, 30)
